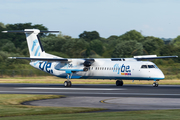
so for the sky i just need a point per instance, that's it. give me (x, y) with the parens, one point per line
(158, 18)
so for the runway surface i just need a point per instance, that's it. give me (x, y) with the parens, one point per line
(114, 98)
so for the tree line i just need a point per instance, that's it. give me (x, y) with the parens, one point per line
(89, 45)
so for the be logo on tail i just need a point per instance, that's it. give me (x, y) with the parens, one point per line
(35, 42)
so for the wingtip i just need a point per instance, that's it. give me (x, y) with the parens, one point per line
(11, 57)
(4, 31)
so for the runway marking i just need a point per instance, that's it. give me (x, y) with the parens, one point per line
(86, 93)
(103, 101)
(41, 88)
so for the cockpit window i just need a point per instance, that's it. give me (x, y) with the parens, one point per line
(144, 66)
(148, 66)
(151, 66)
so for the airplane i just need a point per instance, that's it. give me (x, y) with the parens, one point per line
(118, 69)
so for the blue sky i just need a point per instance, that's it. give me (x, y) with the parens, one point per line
(159, 18)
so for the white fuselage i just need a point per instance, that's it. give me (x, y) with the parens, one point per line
(102, 69)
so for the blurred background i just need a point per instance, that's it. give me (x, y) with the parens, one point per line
(91, 29)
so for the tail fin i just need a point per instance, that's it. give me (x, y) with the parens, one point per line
(33, 41)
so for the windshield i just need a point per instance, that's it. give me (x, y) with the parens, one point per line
(144, 66)
(151, 66)
(148, 66)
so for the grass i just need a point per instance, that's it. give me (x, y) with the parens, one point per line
(11, 109)
(10, 105)
(128, 115)
(170, 80)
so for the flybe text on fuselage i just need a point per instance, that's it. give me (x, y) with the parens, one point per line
(124, 70)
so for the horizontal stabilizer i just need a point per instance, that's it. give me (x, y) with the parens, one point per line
(42, 59)
(28, 31)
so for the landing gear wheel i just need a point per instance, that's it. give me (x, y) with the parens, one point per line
(67, 84)
(155, 84)
(119, 83)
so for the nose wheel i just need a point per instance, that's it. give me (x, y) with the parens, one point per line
(155, 84)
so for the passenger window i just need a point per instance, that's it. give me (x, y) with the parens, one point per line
(144, 66)
(151, 66)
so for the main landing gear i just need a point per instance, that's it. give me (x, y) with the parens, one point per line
(68, 82)
(119, 83)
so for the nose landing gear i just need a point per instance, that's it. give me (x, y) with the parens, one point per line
(155, 84)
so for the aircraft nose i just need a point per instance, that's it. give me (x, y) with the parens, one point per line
(161, 75)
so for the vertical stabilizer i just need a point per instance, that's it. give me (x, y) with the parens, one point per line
(34, 43)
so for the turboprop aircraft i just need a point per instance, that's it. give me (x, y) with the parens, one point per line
(90, 68)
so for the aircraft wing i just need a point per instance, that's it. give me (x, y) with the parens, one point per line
(151, 57)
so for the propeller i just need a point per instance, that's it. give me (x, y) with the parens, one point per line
(87, 63)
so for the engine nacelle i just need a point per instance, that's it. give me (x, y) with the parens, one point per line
(87, 63)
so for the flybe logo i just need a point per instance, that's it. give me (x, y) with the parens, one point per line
(45, 66)
(124, 70)
(35, 42)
